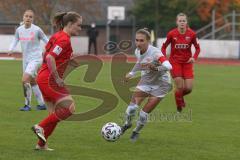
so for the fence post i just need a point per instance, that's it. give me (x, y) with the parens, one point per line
(233, 24)
(108, 33)
(213, 24)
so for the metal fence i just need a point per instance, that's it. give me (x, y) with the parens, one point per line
(227, 27)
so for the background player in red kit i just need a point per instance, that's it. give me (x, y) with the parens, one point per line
(50, 77)
(181, 58)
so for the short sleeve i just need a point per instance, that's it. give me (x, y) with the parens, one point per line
(58, 47)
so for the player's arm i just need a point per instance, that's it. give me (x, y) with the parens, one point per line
(53, 53)
(14, 43)
(197, 47)
(137, 67)
(165, 64)
(42, 36)
(166, 43)
(51, 63)
(133, 71)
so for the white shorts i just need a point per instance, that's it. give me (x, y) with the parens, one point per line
(31, 68)
(156, 90)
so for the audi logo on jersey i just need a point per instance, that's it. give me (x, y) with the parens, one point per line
(181, 46)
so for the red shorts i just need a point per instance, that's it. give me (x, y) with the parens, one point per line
(184, 70)
(51, 91)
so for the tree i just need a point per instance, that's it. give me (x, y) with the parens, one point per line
(206, 6)
(221, 7)
(164, 13)
(45, 10)
(199, 12)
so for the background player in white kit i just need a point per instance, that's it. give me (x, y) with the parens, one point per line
(155, 81)
(29, 36)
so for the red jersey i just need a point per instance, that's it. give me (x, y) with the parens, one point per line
(181, 45)
(59, 46)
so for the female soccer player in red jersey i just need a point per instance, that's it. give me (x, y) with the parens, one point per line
(181, 58)
(50, 77)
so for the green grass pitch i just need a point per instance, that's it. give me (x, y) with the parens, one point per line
(209, 131)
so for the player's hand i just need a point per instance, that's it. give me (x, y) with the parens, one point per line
(149, 66)
(152, 67)
(127, 78)
(60, 82)
(144, 66)
(10, 53)
(191, 60)
(74, 63)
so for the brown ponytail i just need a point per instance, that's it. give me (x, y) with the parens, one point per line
(61, 19)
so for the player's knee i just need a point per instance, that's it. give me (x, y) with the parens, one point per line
(131, 109)
(24, 81)
(72, 108)
(27, 85)
(179, 88)
(65, 109)
(143, 117)
(63, 113)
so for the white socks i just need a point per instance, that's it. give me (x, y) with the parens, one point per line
(143, 117)
(27, 89)
(142, 120)
(38, 94)
(27, 93)
(130, 112)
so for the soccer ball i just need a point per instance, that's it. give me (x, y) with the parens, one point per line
(111, 131)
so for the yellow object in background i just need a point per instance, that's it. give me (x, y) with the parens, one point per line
(152, 36)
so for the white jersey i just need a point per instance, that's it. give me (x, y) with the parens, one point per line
(149, 77)
(30, 42)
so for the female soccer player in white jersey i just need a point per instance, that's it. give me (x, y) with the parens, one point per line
(29, 36)
(155, 81)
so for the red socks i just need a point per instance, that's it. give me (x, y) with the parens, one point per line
(50, 119)
(63, 113)
(50, 122)
(179, 99)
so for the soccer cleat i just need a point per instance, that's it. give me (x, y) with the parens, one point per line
(41, 107)
(39, 132)
(125, 127)
(25, 108)
(179, 109)
(43, 148)
(134, 136)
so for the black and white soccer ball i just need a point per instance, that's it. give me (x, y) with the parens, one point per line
(111, 131)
